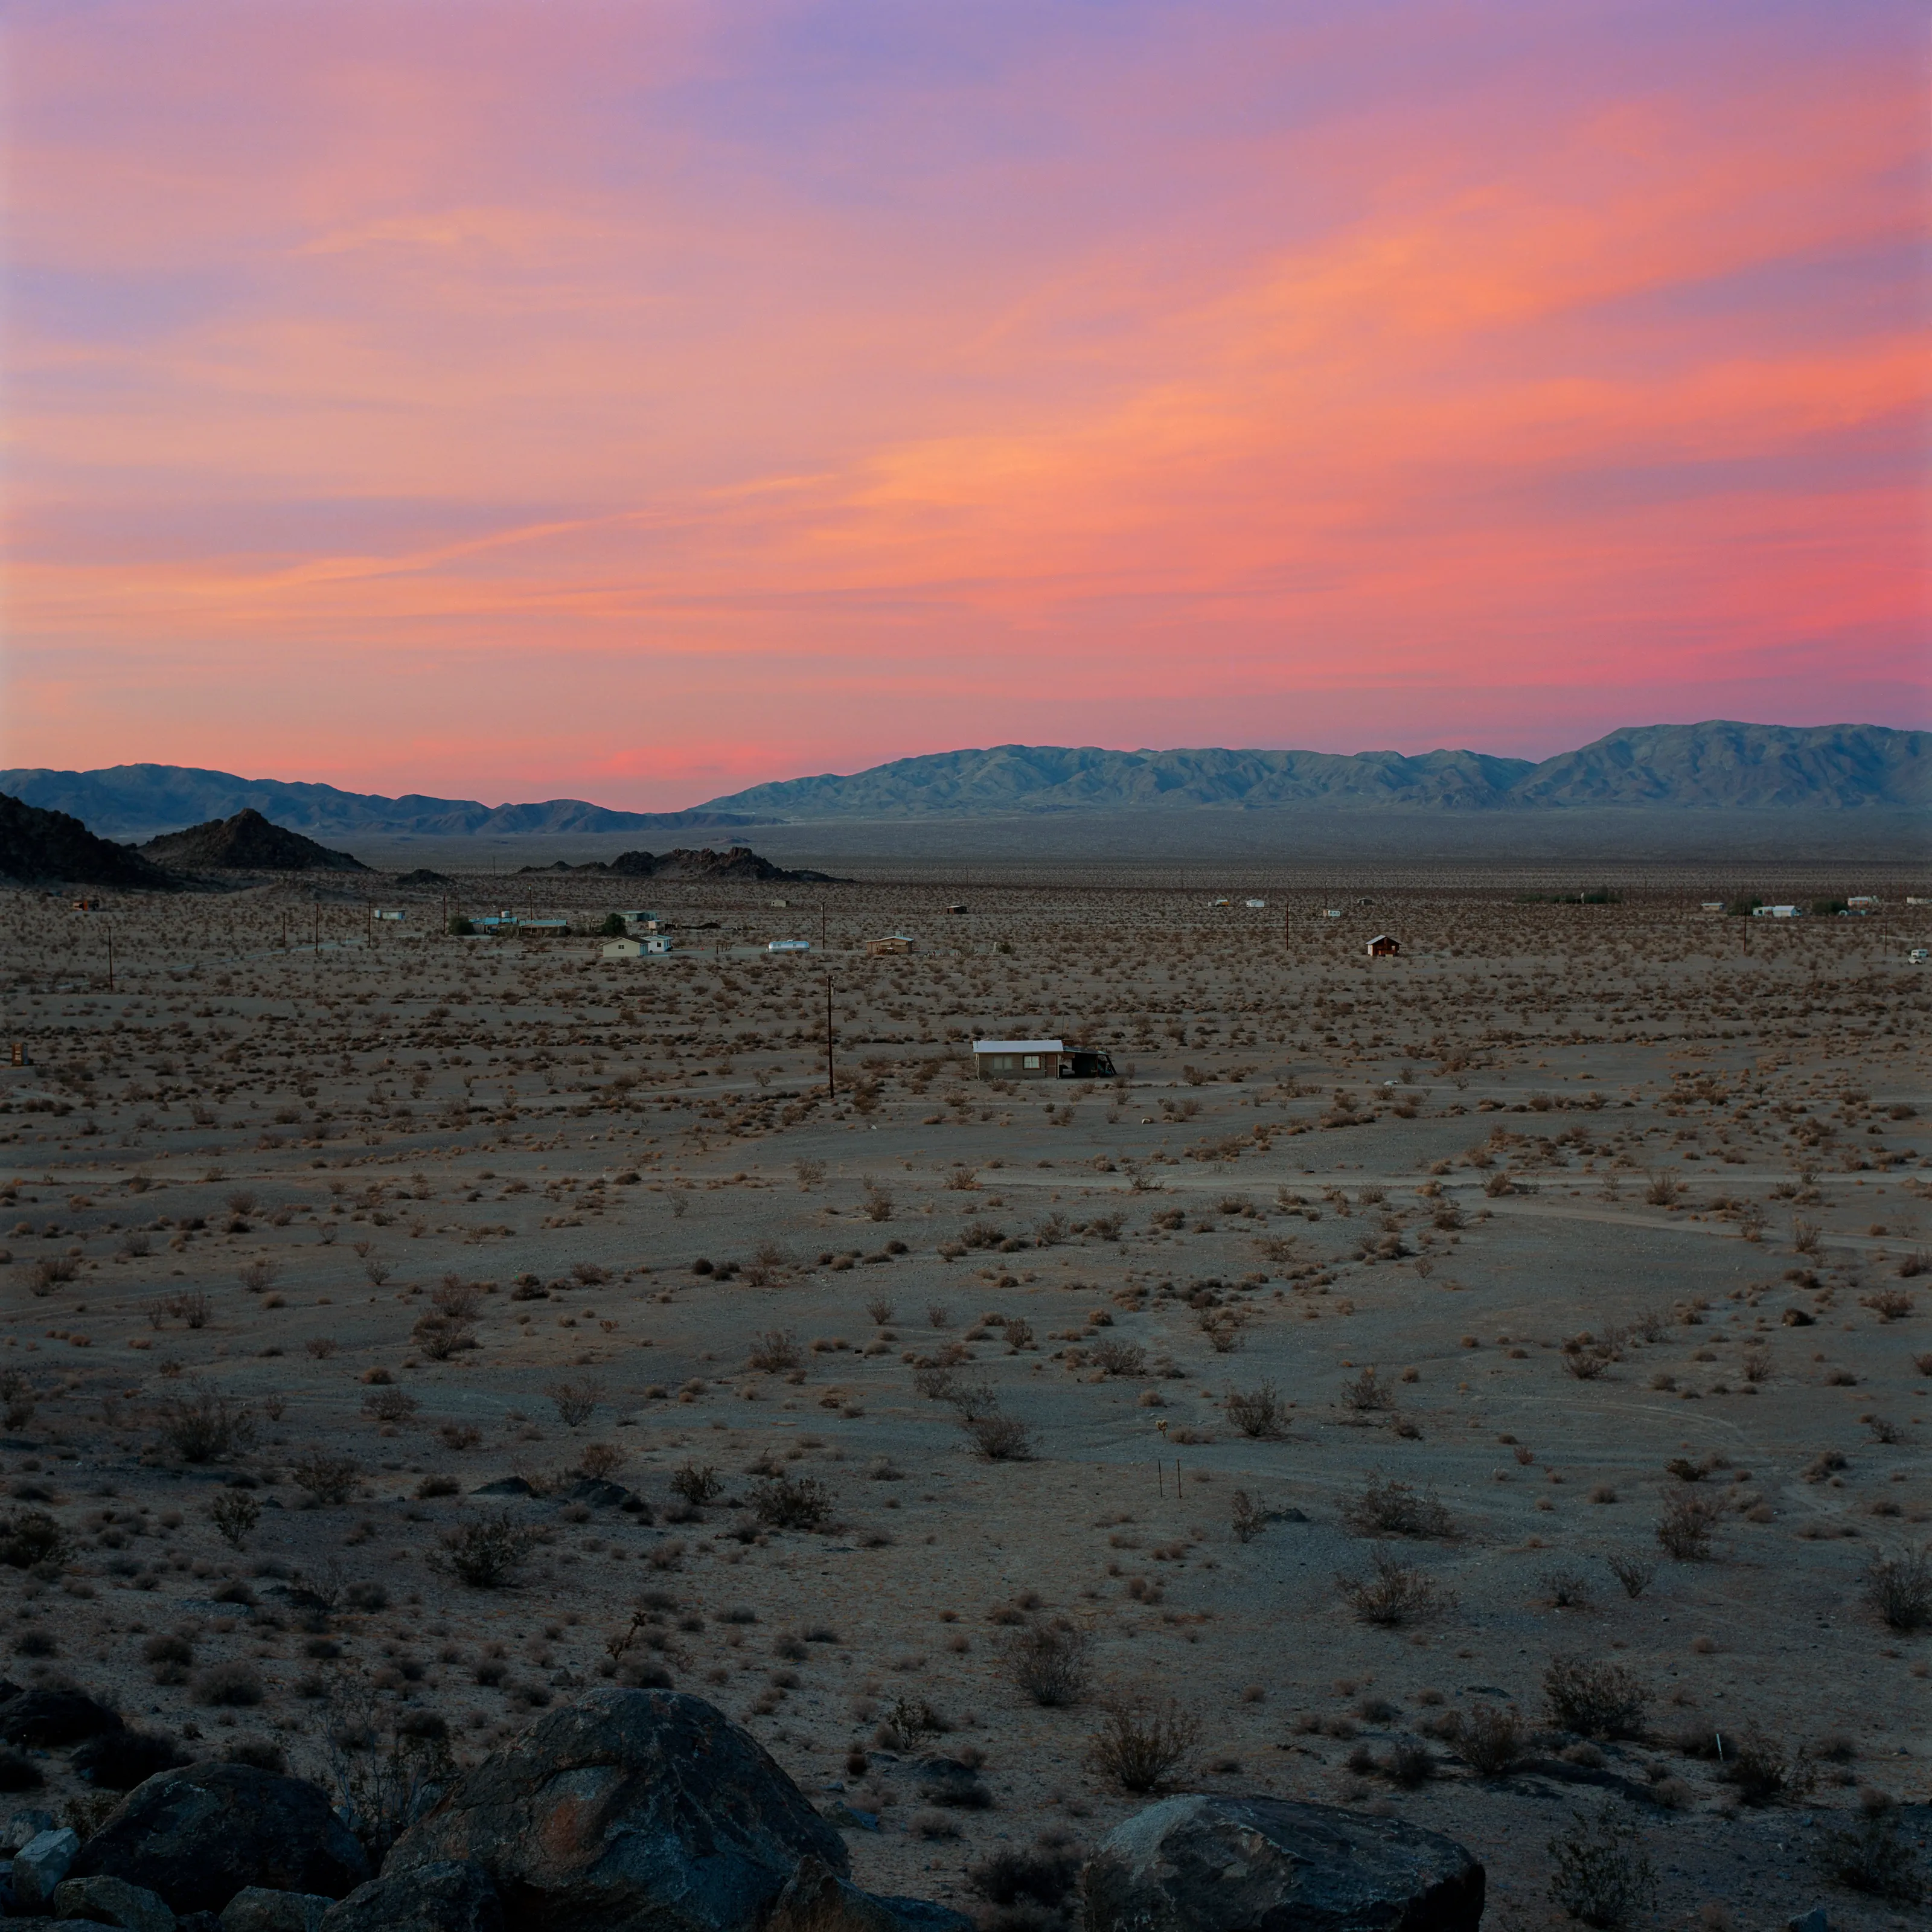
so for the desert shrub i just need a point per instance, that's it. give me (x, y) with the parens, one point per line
(1888, 1304)
(1687, 1526)
(575, 1402)
(1118, 1358)
(204, 1424)
(1143, 1740)
(1394, 1594)
(696, 1484)
(1600, 1700)
(461, 1300)
(1408, 1763)
(169, 1653)
(998, 1438)
(792, 1502)
(1761, 1769)
(31, 1537)
(1489, 1738)
(234, 1684)
(1601, 1876)
(1259, 1411)
(1386, 1507)
(1044, 1878)
(1048, 1661)
(51, 1273)
(1248, 1516)
(390, 1405)
(1633, 1573)
(440, 1335)
(16, 1401)
(385, 1769)
(258, 1276)
(487, 1553)
(875, 1202)
(1874, 1856)
(1564, 1587)
(1899, 1589)
(329, 1479)
(460, 1434)
(776, 1352)
(600, 1460)
(235, 1513)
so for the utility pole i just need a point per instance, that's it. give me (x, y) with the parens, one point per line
(318, 929)
(831, 1072)
(110, 959)
(821, 925)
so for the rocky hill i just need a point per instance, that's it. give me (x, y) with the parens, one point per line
(1715, 765)
(247, 843)
(738, 863)
(45, 847)
(139, 801)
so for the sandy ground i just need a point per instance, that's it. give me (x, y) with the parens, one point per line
(1703, 1168)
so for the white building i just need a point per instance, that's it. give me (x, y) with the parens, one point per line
(636, 949)
(1776, 912)
(788, 946)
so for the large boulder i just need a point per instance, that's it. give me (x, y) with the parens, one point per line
(257, 1909)
(1269, 1864)
(445, 1896)
(200, 1835)
(630, 1811)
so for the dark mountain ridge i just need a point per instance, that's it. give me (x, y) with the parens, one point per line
(1718, 765)
(43, 847)
(140, 801)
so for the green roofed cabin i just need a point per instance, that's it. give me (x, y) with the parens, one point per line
(1038, 1060)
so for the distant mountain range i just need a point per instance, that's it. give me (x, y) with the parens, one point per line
(1716, 766)
(140, 801)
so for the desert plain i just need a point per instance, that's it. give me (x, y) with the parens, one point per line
(1488, 1384)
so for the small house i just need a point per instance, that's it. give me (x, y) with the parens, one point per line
(952, 909)
(893, 942)
(1017, 1059)
(1332, 912)
(1862, 902)
(788, 946)
(395, 917)
(1917, 956)
(1778, 912)
(1710, 905)
(636, 949)
(1254, 905)
(1383, 947)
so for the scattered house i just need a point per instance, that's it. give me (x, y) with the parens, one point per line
(1383, 947)
(1710, 905)
(952, 908)
(1224, 902)
(788, 946)
(1917, 956)
(636, 949)
(1778, 912)
(1332, 912)
(1254, 905)
(397, 917)
(649, 921)
(1863, 902)
(1039, 1060)
(543, 927)
(893, 942)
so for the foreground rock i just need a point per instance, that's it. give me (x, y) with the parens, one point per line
(198, 1835)
(113, 1901)
(1267, 1864)
(816, 1900)
(631, 1811)
(446, 1896)
(39, 1865)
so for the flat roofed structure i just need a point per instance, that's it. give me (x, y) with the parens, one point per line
(1017, 1059)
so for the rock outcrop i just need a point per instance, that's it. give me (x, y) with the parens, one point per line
(45, 846)
(630, 1811)
(247, 843)
(1269, 1864)
(198, 1835)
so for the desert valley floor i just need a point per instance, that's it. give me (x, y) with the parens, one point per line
(1522, 1339)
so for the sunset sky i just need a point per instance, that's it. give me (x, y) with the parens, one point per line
(636, 401)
